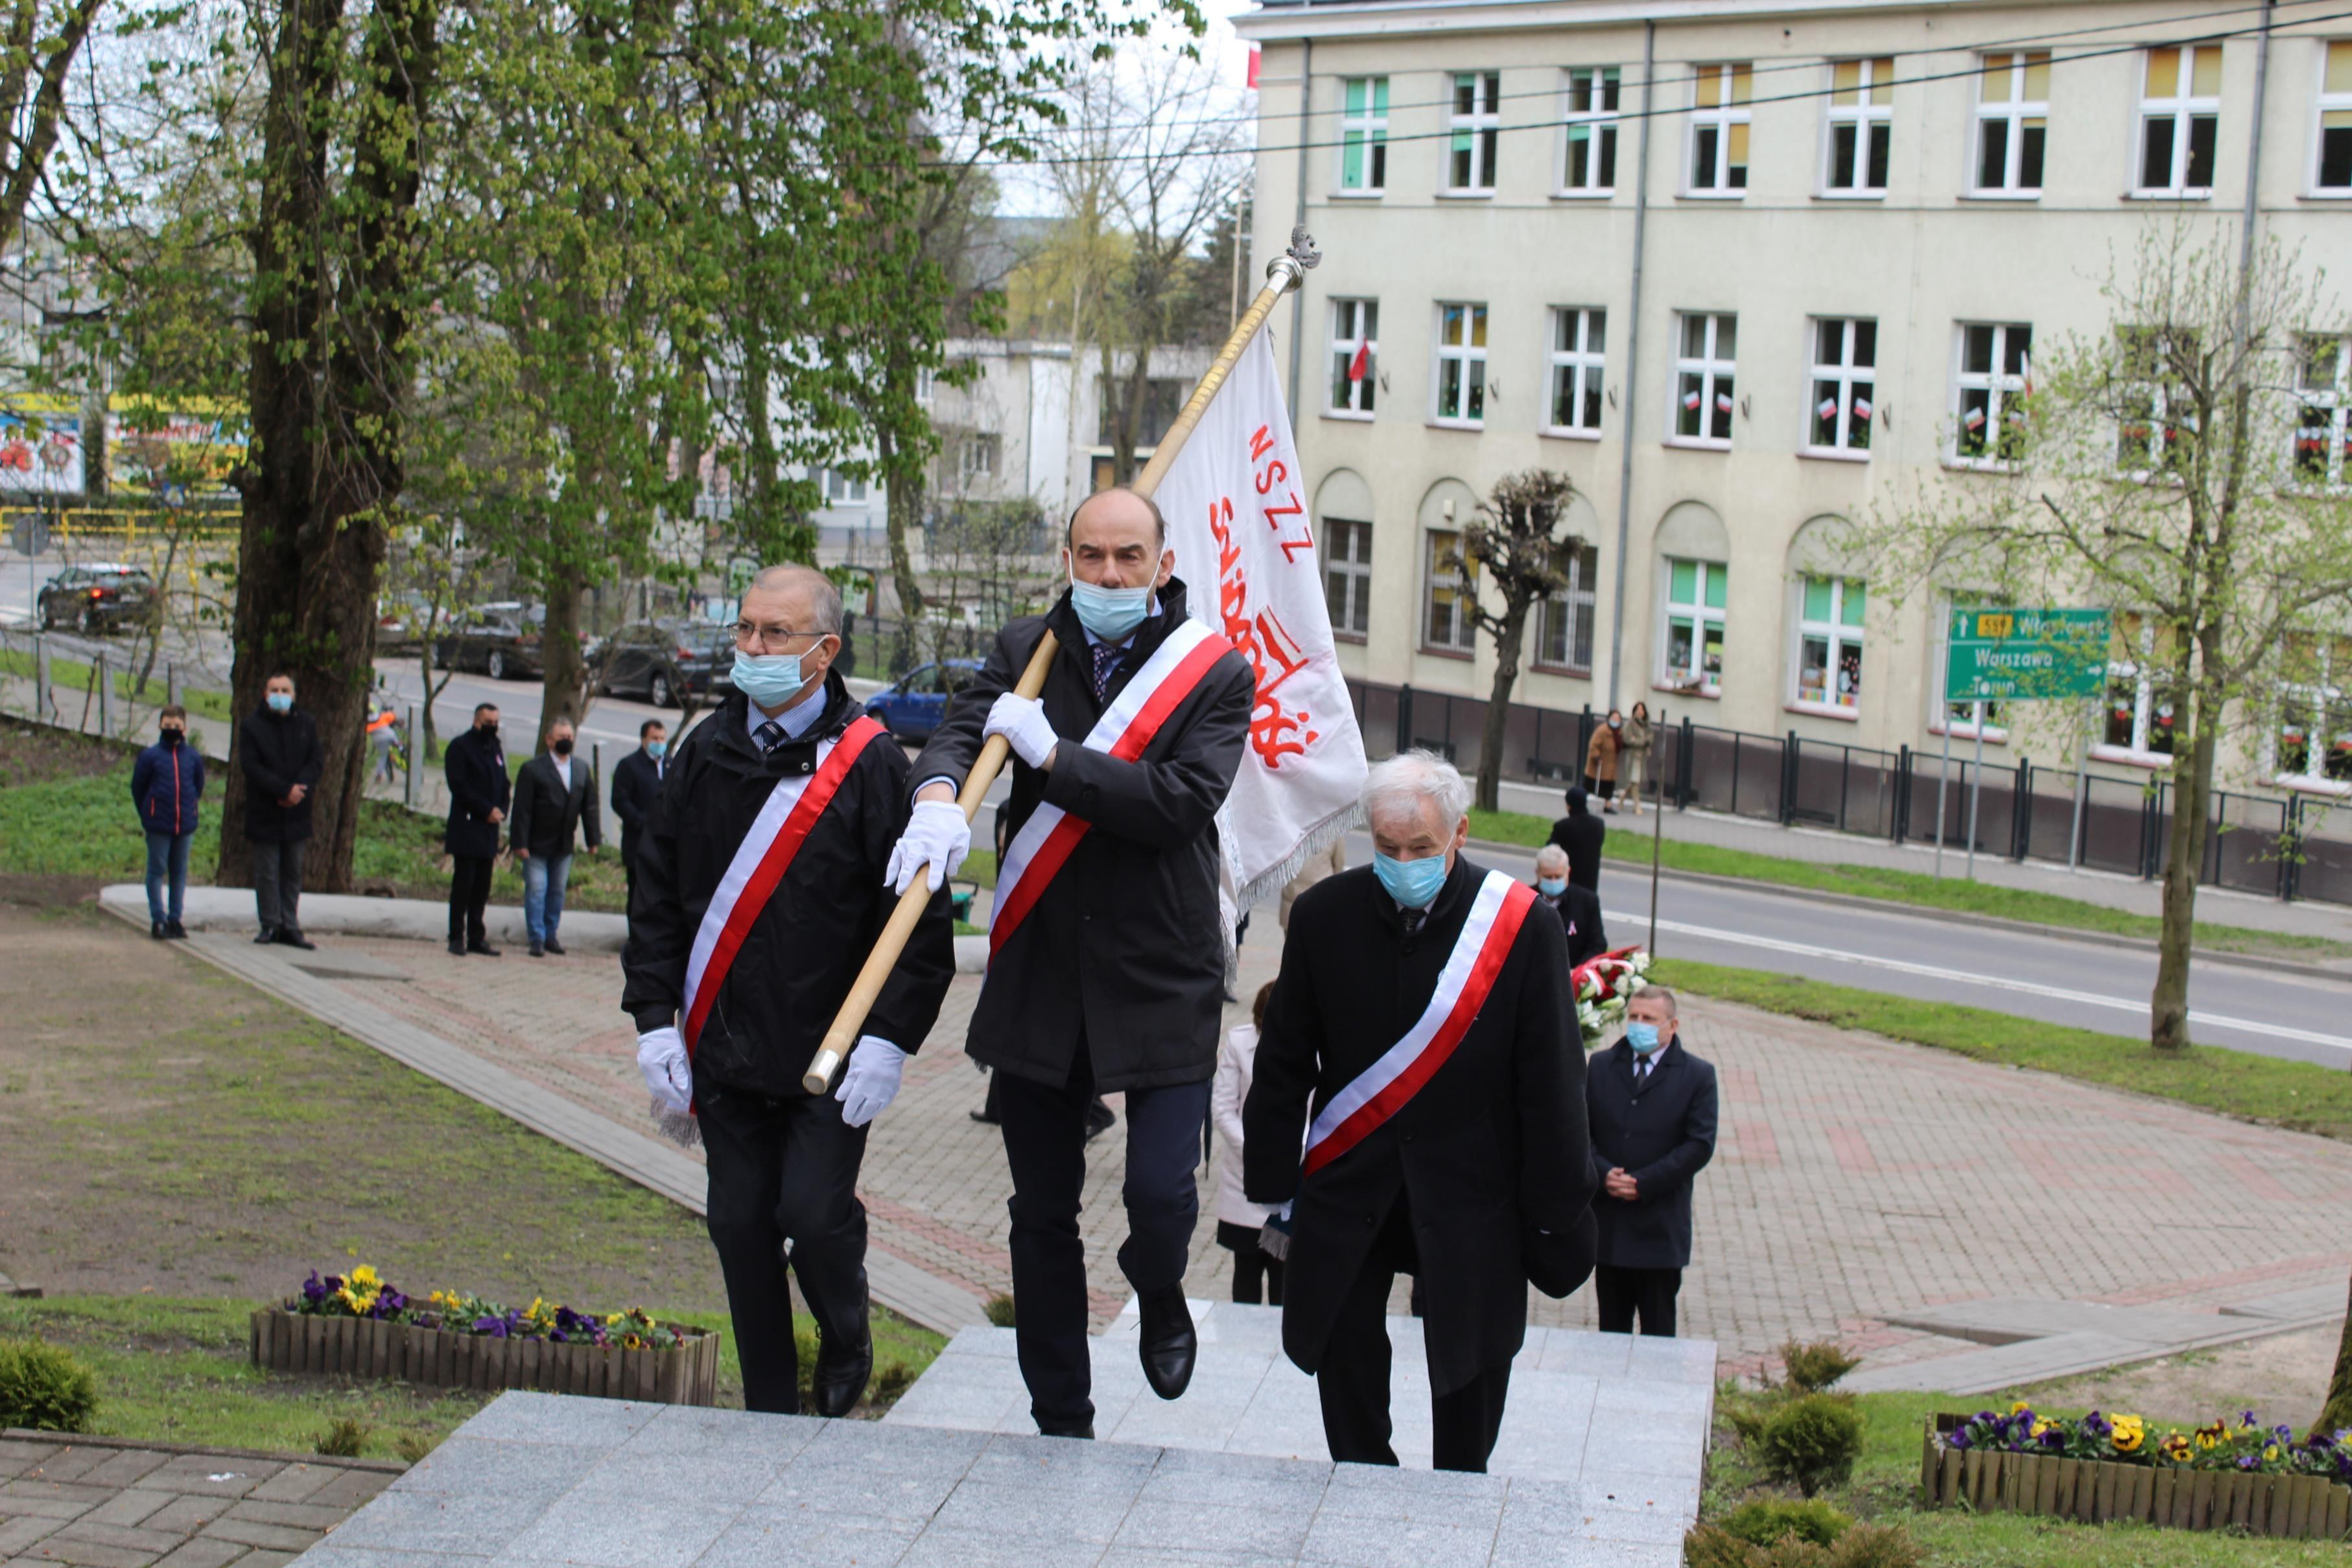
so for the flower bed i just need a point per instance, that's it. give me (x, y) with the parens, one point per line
(1602, 986)
(364, 1327)
(2097, 1468)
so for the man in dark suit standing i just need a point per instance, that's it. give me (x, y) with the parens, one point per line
(1578, 908)
(277, 748)
(637, 784)
(1653, 1109)
(479, 792)
(1423, 1004)
(1580, 833)
(554, 798)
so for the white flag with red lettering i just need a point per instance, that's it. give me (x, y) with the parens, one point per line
(1236, 508)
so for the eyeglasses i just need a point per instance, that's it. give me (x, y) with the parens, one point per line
(746, 633)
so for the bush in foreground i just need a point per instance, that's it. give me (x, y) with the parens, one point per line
(1863, 1546)
(45, 1388)
(1811, 1442)
(1763, 1521)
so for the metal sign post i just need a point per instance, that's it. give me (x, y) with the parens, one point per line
(414, 742)
(1657, 831)
(1976, 790)
(1943, 783)
(2081, 789)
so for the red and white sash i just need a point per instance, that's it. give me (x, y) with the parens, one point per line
(1380, 1090)
(1044, 844)
(758, 868)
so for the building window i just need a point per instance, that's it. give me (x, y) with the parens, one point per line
(1828, 643)
(2012, 123)
(1450, 617)
(2180, 119)
(2332, 159)
(1703, 380)
(926, 381)
(1347, 575)
(979, 455)
(1564, 630)
(1718, 129)
(1364, 134)
(1578, 341)
(1590, 154)
(1860, 128)
(1164, 400)
(1845, 360)
(1693, 652)
(2140, 715)
(2149, 432)
(1477, 126)
(2313, 744)
(1989, 393)
(2323, 437)
(1460, 364)
(1355, 355)
(841, 490)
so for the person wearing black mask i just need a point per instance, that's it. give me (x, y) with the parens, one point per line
(479, 791)
(166, 782)
(554, 798)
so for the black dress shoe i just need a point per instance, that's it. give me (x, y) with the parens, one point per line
(838, 1380)
(265, 938)
(555, 947)
(482, 947)
(1084, 1430)
(539, 949)
(1168, 1343)
(155, 929)
(291, 937)
(175, 931)
(456, 946)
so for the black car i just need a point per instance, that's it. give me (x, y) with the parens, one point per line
(498, 640)
(95, 598)
(662, 661)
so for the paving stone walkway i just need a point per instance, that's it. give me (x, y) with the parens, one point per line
(93, 1503)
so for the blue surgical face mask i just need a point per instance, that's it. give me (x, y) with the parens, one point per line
(280, 702)
(1110, 613)
(1642, 1037)
(1412, 883)
(771, 680)
(653, 749)
(1551, 886)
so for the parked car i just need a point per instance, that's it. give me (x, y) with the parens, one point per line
(662, 661)
(499, 640)
(95, 598)
(918, 703)
(400, 621)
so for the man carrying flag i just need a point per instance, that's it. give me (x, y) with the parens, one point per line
(1106, 958)
(759, 894)
(1423, 1014)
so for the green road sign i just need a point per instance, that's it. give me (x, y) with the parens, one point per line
(2019, 656)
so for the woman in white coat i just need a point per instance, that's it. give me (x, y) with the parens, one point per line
(1240, 1221)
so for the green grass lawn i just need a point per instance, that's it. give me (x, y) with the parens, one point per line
(70, 678)
(1522, 831)
(2298, 1094)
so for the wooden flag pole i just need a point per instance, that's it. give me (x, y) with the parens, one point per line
(1286, 272)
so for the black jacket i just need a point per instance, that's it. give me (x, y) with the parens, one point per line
(798, 960)
(1662, 1137)
(1581, 837)
(475, 767)
(1124, 950)
(1491, 1147)
(1579, 915)
(277, 751)
(547, 815)
(636, 782)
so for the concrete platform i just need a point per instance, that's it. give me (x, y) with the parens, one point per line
(540, 1478)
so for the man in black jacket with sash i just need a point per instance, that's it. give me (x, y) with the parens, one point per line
(760, 894)
(1424, 1006)
(480, 793)
(1107, 957)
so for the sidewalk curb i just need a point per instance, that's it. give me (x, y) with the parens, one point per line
(208, 1450)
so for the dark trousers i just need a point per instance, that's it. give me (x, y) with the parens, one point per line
(469, 894)
(277, 884)
(1621, 1294)
(783, 1171)
(1044, 1143)
(1257, 1278)
(1353, 1381)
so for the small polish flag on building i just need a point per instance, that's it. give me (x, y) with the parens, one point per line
(1828, 408)
(1975, 416)
(1690, 399)
(1362, 362)
(1723, 402)
(1862, 408)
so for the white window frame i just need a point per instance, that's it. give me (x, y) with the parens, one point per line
(979, 455)
(1349, 317)
(1470, 354)
(1708, 374)
(926, 384)
(1603, 87)
(1731, 87)
(1366, 130)
(2141, 677)
(2333, 404)
(1352, 574)
(1866, 108)
(1465, 639)
(1580, 365)
(2314, 701)
(841, 490)
(1578, 603)
(1837, 638)
(1695, 677)
(2184, 107)
(1851, 385)
(1482, 123)
(2145, 457)
(2003, 389)
(2016, 113)
(2332, 100)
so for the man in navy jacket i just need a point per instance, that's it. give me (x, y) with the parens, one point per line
(166, 782)
(1652, 1109)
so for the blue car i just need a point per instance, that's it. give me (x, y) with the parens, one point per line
(915, 706)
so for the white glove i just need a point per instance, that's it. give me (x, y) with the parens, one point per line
(1023, 721)
(937, 836)
(661, 1057)
(871, 1081)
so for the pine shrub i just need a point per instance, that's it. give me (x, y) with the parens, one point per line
(45, 1388)
(1811, 1441)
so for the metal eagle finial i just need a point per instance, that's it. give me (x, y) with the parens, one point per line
(1290, 266)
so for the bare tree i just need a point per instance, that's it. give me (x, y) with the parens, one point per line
(1517, 539)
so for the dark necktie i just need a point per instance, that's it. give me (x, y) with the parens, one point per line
(1107, 658)
(1413, 919)
(769, 736)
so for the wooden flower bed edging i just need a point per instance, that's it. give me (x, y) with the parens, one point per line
(2297, 1508)
(370, 1347)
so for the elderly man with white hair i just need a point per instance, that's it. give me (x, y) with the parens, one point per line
(1423, 1016)
(1578, 908)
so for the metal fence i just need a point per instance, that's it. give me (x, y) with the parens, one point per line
(2295, 847)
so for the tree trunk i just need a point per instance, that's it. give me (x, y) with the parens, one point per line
(2184, 856)
(1498, 703)
(564, 674)
(903, 513)
(2336, 1414)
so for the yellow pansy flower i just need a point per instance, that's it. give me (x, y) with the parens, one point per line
(365, 1275)
(2127, 1434)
